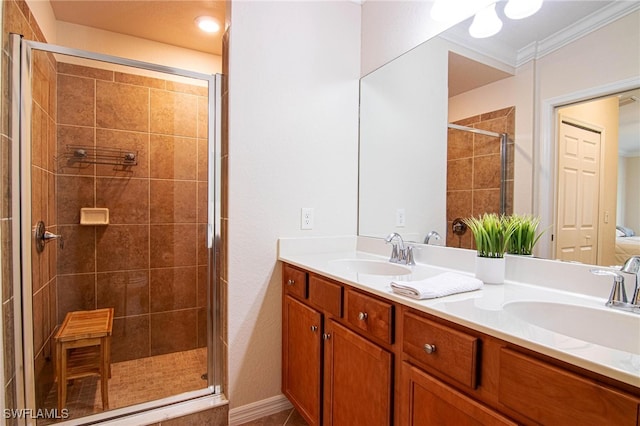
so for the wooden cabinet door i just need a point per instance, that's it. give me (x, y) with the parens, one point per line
(301, 358)
(358, 381)
(427, 401)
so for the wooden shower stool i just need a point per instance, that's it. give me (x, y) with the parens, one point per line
(83, 348)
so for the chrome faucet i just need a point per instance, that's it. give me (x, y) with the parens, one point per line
(632, 266)
(400, 253)
(432, 234)
(618, 296)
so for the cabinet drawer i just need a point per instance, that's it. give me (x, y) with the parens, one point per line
(294, 281)
(325, 295)
(455, 353)
(370, 315)
(549, 395)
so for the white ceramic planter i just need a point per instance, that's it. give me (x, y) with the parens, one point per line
(490, 270)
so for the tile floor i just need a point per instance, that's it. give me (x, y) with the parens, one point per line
(136, 381)
(284, 418)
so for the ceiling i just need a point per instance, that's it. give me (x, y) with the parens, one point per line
(168, 21)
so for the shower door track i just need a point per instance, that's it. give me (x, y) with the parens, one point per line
(173, 406)
(503, 158)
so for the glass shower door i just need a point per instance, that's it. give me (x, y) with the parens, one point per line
(119, 178)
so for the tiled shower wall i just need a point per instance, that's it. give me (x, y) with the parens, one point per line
(17, 18)
(150, 262)
(474, 170)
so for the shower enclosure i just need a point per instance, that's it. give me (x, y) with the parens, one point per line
(480, 157)
(119, 208)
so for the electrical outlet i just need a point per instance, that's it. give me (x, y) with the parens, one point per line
(306, 218)
(400, 218)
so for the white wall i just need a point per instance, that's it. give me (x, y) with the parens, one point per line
(293, 143)
(403, 128)
(391, 28)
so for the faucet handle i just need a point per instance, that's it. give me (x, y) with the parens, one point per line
(408, 256)
(618, 293)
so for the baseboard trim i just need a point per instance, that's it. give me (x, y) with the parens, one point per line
(258, 409)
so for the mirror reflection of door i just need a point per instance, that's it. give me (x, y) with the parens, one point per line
(598, 190)
(578, 191)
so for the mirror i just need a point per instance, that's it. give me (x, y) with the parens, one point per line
(530, 69)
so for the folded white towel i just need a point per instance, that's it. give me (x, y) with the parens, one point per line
(441, 285)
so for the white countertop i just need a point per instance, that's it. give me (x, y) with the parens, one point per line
(483, 310)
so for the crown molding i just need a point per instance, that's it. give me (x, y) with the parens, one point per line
(536, 50)
(579, 29)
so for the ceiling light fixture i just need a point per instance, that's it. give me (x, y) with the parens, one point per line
(207, 24)
(486, 23)
(519, 9)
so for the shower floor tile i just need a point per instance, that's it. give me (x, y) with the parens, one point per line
(136, 381)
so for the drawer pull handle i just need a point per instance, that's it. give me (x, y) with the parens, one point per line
(326, 336)
(362, 316)
(314, 328)
(291, 282)
(429, 348)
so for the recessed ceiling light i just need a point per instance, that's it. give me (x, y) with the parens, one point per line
(207, 24)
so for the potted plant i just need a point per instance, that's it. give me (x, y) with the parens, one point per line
(525, 235)
(492, 234)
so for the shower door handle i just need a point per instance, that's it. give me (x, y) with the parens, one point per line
(42, 236)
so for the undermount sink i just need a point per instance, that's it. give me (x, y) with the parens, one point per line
(604, 327)
(369, 266)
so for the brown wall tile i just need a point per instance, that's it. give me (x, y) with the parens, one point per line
(74, 192)
(79, 105)
(126, 198)
(173, 288)
(486, 172)
(203, 160)
(78, 255)
(82, 71)
(125, 291)
(122, 247)
(122, 106)
(139, 80)
(459, 204)
(459, 144)
(174, 113)
(173, 245)
(173, 157)
(459, 174)
(173, 201)
(76, 293)
(486, 201)
(203, 205)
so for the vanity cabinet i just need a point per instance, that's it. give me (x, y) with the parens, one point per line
(428, 401)
(333, 370)
(302, 357)
(358, 379)
(354, 358)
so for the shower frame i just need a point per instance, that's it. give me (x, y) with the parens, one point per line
(504, 138)
(21, 99)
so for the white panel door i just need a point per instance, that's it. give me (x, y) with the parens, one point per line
(578, 193)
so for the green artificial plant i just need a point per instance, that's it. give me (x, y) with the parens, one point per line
(492, 234)
(525, 235)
